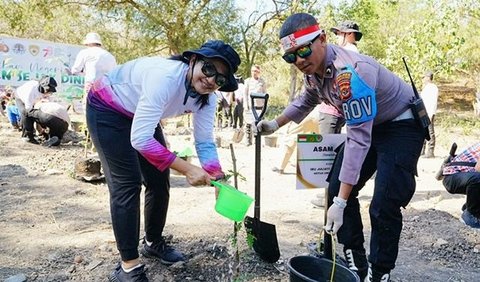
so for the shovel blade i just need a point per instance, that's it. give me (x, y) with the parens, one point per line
(265, 243)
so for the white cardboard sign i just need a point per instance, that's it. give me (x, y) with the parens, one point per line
(315, 155)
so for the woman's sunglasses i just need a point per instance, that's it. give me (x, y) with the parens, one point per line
(303, 52)
(209, 70)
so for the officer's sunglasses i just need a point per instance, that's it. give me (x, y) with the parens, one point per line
(303, 52)
(209, 70)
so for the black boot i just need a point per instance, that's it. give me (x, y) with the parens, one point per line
(30, 138)
(357, 261)
(376, 274)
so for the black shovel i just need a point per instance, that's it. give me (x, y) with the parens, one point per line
(265, 241)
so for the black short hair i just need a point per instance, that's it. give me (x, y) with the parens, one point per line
(296, 22)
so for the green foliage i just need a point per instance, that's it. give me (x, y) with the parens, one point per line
(458, 124)
(439, 35)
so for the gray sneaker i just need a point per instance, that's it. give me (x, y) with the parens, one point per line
(53, 141)
(136, 275)
(162, 251)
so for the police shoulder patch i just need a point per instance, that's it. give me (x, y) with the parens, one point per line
(343, 82)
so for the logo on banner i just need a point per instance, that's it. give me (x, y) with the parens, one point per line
(34, 50)
(3, 47)
(18, 49)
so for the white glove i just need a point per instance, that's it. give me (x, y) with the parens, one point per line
(267, 127)
(335, 215)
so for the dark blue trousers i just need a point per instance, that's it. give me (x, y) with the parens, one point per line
(394, 152)
(125, 171)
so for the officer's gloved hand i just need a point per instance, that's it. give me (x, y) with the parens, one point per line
(267, 127)
(335, 215)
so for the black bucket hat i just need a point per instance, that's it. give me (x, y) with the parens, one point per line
(221, 50)
(348, 26)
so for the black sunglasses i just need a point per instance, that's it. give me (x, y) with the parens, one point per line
(303, 52)
(209, 70)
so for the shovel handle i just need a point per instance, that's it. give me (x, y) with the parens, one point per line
(262, 96)
(258, 118)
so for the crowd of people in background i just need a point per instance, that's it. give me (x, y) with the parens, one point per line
(31, 109)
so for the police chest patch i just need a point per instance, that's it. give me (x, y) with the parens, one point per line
(344, 85)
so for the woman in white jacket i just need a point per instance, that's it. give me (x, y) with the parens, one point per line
(124, 108)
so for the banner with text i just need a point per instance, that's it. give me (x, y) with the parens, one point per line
(26, 59)
(315, 155)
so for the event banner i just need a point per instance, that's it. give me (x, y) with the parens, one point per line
(26, 59)
(315, 155)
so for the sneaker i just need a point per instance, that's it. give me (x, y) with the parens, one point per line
(357, 261)
(278, 170)
(318, 202)
(470, 220)
(136, 275)
(30, 140)
(376, 276)
(52, 141)
(161, 251)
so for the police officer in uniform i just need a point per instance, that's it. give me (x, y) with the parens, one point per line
(382, 136)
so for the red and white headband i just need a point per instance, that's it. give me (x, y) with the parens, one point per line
(300, 37)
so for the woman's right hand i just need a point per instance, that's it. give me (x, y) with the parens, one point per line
(196, 176)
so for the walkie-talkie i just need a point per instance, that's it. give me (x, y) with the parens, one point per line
(418, 107)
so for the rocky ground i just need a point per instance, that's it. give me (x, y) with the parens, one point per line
(56, 228)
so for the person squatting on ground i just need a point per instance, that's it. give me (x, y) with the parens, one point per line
(382, 131)
(26, 96)
(53, 120)
(429, 96)
(462, 176)
(11, 110)
(124, 108)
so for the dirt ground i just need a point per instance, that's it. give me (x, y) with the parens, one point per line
(56, 228)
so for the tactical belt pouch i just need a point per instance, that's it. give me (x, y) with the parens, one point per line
(420, 114)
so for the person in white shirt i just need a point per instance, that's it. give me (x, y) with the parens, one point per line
(429, 96)
(26, 96)
(94, 61)
(253, 84)
(124, 108)
(348, 34)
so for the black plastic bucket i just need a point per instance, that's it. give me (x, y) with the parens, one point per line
(313, 269)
